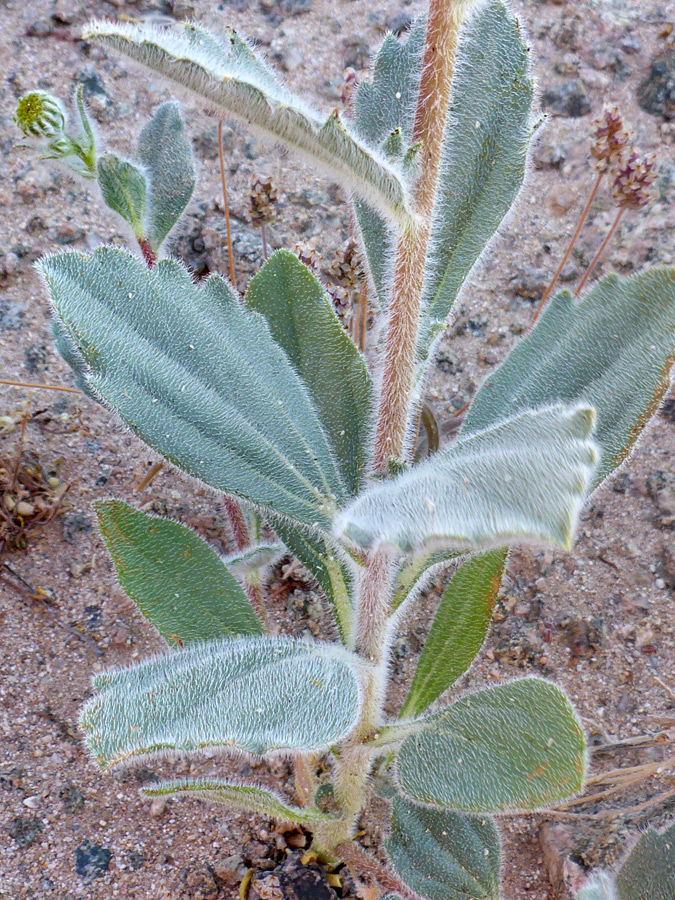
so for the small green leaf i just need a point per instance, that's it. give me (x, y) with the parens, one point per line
(523, 480)
(613, 349)
(516, 746)
(239, 796)
(250, 561)
(166, 153)
(198, 377)
(327, 566)
(177, 581)
(124, 190)
(648, 872)
(256, 694)
(484, 153)
(443, 855)
(458, 630)
(415, 571)
(303, 322)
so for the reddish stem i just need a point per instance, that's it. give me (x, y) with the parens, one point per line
(226, 206)
(598, 255)
(148, 252)
(237, 523)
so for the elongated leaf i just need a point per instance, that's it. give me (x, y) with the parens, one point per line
(197, 377)
(239, 796)
(648, 872)
(381, 107)
(166, 153)
(232, 80)
(325, 564)
(249, 562)
(516, 746)
(598, 887)
(458, 630)
(254, 694)
(484, 153)
(124, 190)
(612, 349)
(303, 322)
(443, 855)
(522, 480)
(177, 581)
(416, 570)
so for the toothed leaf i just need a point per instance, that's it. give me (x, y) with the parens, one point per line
(124, 190)
(458, 630)
(232, 80)
(177, 581)
(648, 872)
(443, 855)
(254, 694)
(239, 796)
(484, 153)
(166, 153)
(199, 378)
(516, 746)
(303, 322)
(612, 349)
(522, 480)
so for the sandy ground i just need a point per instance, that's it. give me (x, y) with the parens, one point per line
(598, 620)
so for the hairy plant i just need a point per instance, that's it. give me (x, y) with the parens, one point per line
(268, 399)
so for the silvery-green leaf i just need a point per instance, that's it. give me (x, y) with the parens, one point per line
(239, 796)
(257, 694)
(166, 154)
(444, 855)
(648, 872)
(612, 349)
(326, 565)
(124, 190)
(303, 322)
(233, 80)
(199, 378)
(177, 581)
(484, 152)
(598, 887)
(458, 630)
(524, 479)
(516, 746)
(250, 561)
(382, 107)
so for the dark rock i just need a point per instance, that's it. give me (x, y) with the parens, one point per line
(530, 283)
(75, 524)
(24, 830)
(656, 92)
(566, 34)
(399, 23)
(136, 859)
(565, 875)
(581, 636)
(72, 798)
(668, 409)
(36, 357)
(621, 483)
(568, 99)
(201, 883)
(292, 881)
(94, 617)
(91, 861)
(94, 92)
(11, 314)
(230, 871)
(661, 488)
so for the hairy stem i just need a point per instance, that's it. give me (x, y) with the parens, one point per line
(444, 23)
(148, 252)
(242, 540)
(601, 250)
(305, 780)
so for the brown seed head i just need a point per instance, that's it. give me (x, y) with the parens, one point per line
(262, 199)
(633, 179)
(308, 254)
(610, 139)
(346, 268)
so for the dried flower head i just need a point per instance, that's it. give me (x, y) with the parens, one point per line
(262, 199)
(308, 254)
(345, 271)
(39, 115)
(633, 179)
(610, 139)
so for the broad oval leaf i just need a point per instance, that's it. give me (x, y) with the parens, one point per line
(177, 581)
(303, 322)
(648, 872)
(239, 796)
(166, 154)
(484, 154)
(233, 80)
(524, 479)
(516, 746)
(612, 349)
(458, 630)
(254, 694)
(197, 377)
(124, 189)
(444, 855)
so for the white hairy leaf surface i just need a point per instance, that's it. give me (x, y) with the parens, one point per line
(257, 694)
(522, 480)
(612, 349)
(233, 80)
(516, 746)
(239, 796)
(198, 377)
(599, 886)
